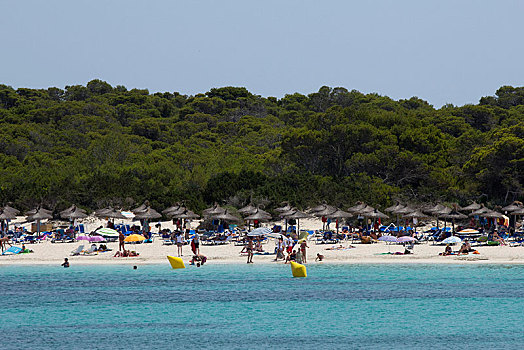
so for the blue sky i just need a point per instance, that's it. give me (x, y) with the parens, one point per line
(441, 51)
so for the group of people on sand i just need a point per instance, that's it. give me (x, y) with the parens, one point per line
(465, 249)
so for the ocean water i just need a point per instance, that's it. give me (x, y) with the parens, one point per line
(262, 306)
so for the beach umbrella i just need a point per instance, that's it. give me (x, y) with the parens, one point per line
(512, 207)
(247, 210)
(405, 239)
(71, 209)
(107, 232)
(9, 209)
(473, 206)
(454, 215)
(147, 214)
(259, 215)
(284, 209)
(225, 216)
(96, 239)
(186, 214)
(339, 214)
(82, 238)
(394, 208)
(297, 215)
(375, 214)
(387, 238)
(141, 208)
(7, 215)
(415, 215)
(357, 207)
(134, 238)
(480, 211)
(261, 231)
(173, 208)
(213, 211)
(38, 215)
(324, 212)
(452, 240)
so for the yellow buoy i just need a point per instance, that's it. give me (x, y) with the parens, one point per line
(176, 263)
(298, 270)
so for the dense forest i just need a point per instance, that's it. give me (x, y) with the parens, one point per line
(99, 145)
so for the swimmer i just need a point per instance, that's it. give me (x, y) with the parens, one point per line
(319, 257)
(65, 263)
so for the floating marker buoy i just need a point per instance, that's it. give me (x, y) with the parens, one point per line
(298, 270)
(176, 263)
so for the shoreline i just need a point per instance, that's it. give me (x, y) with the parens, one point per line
(47, 253)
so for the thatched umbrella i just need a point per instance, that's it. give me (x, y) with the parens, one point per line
(480, 211)
(6, 215)
(72, 208)
(213, 211)
(297, 215)
(339, 214)
(454, 215)
(225, 216)
(186, 214)
(441, 214)
(473, 206)
(174, 208)
(324, 212)
(10, 210)
(375, 214)
(258, 215)
(147, 214)
(394, 208)
(73, 213)
(416, 214)
(38, 215)
(283, 209)
(247, 210)
(358, 207)
(141, 208)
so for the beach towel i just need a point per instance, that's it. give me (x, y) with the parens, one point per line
(12, 250)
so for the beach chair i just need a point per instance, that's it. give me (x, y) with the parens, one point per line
(78, 250)
(81, 228)
(90, 251)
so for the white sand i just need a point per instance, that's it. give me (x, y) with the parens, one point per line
(155, 253)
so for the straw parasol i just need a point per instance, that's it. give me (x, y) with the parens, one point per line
(225, 216)
(473, 206)
(7, 215)
(339, 214)
(141, 208)
(247, 210)
(213, 211)
(480, 211)
(454, 215)
(10, 209)
(172, 208)
(512, 207)
(38, 215)
(415, 215)
(186, 214)
(394, 208)
(284, 209)
(297, 215)
(259, 215)
(147, 214)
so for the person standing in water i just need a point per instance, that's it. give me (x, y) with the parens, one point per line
(179, 242)
(195, 244)
(303, 247)
(250, 250)
(65, 263)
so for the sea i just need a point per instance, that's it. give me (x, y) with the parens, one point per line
(262, 307)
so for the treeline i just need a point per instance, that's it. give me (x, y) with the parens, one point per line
(99, 145)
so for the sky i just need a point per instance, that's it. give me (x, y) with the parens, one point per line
(446, 51)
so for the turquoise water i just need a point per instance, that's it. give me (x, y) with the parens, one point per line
(245, 307)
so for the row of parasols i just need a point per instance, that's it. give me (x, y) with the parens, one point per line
(252, 213)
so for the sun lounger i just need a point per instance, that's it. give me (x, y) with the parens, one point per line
(78, 250)
(12, 251)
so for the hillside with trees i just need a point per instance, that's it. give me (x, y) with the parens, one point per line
(97, 145)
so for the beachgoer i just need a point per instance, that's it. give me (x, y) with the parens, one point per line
(280, 249)
(289, 244)
(319, 257)
(497, 238)
(250, 250)
(291, 256)
(121, 238)
(195, 244)
(65, 263)
(303, 247)
(299, 257)
(179, 243)
(135, 267)
(447, 251)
